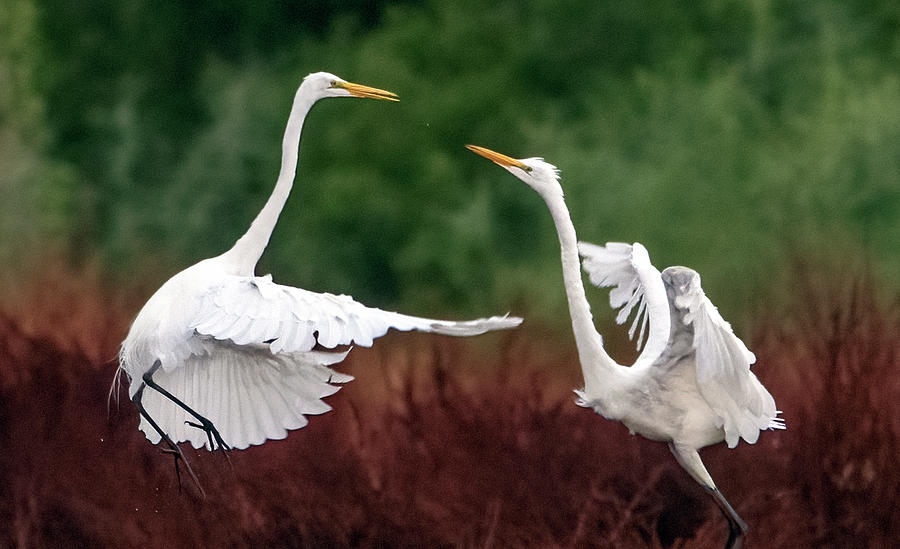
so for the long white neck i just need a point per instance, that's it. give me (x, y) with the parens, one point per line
(249, 248)
(598, 368)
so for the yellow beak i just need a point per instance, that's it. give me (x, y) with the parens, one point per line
(358, 90)
(497, 158)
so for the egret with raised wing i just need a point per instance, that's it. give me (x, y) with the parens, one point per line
(233, 359)
(691, 386)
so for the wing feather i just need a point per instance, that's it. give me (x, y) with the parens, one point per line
(743, 405)
(249, 364)
(255, 310)
(249, 396)
(637, 283)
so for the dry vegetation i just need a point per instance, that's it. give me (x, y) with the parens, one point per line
(435, 446)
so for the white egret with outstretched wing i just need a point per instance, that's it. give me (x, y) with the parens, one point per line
(691, 386)
(234, 359)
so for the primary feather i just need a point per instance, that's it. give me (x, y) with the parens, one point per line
(743, 405)
(250, 394)
(636, 282)
(257, 310)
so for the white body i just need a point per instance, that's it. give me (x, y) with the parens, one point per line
(251, 356)
(691, 386)
(698, 387)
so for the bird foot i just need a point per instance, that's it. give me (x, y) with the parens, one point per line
(735, 540)
(176, 453)
(213, 435)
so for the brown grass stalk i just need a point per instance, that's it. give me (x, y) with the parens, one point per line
(442, 443)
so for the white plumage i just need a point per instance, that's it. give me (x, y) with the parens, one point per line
(691, 386)
(233, 359)
(636, 283)
(742, 405)
(249, 394)
(228, 345)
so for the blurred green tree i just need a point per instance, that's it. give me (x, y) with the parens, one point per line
(721, 135)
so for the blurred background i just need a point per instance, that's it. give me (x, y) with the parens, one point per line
(141, 136)
(756, 142)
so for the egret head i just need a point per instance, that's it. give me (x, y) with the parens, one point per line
(325, 84)
(537, 174)
(681, 280)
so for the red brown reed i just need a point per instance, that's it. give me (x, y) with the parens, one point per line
(448, 443)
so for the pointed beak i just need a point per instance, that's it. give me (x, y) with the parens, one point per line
(358, 90)
(499, 159)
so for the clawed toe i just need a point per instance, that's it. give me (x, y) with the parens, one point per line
(176, 453)
(211, 433)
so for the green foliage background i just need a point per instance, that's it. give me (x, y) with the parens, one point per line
(726, 136)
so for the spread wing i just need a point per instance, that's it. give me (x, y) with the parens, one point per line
(248, 310)
(252, 369)
(744, 406)
(637, 283)
(248, 393)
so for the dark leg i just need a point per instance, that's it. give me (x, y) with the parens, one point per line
(688, 458)
(204, 424)
(736, 526)
(173, 449)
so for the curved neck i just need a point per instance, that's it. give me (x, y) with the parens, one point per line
(596, 365)
(249, 248)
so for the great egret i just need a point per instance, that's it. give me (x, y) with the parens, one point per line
(235, 359)
(691, 386)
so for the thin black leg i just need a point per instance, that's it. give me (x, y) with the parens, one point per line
(737, 528)
(204, 424)
(173, 449)
(688, 458)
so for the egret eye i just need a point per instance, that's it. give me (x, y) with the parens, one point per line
(334, 84)
(528, 169)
